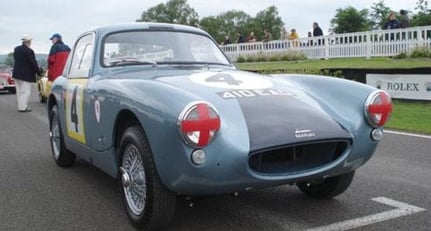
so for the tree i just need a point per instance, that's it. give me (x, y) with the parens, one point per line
(212, 26)
(230, 22)
(174, 11)
(423, 17)
(379, 14)
(350, 20)
(422, 6)
(270, 20)
(227, 23)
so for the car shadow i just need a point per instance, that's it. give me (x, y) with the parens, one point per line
(275, 208)
(5, 92)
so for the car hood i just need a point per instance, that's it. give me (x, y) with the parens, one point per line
(274, 112)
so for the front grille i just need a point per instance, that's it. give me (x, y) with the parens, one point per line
(297, 158)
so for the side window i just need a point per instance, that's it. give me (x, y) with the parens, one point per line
(82, 57)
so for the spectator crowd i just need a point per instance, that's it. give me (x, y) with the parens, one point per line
(391, 23)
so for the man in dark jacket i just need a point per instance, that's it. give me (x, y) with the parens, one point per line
(392, 23)
(317, 31)
(24, 72)
(57, 57)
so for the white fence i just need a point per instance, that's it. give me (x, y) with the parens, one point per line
(359, 44)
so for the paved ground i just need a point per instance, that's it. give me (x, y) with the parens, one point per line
(35, 194)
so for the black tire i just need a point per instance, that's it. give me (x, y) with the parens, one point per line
(61, 155)
(12, 91)
(327, 188)
(148, 203)
(42, 98)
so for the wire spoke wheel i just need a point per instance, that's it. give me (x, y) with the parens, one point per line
(133, 179)
(148, 203)
(62, 156)
(55, 139)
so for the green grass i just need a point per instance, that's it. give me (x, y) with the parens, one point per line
(411, 116)
(294, 66)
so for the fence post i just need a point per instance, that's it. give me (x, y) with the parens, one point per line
(328, 39)
(368, 37)
(237, 53)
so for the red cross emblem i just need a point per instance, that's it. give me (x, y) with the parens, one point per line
(384, 108)
(204, 124)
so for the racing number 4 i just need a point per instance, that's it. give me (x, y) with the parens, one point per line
(224, 78)
(74, 111)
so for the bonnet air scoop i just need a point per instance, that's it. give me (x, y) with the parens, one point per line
(280, 120)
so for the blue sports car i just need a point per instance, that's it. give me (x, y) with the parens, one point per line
(161, 108)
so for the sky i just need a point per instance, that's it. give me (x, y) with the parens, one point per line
(41, 18)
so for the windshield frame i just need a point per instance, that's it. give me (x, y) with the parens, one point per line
(225, 58)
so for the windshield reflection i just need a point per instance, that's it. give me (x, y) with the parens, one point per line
(160, 47)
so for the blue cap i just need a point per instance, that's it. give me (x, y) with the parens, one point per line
(56, 35)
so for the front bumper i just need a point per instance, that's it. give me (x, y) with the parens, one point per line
(229, 170)
(8, 87)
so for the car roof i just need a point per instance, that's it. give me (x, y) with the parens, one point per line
(104, 29)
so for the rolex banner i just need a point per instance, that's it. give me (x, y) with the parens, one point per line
(403, 86)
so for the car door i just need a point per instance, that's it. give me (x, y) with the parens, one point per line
(78, 129)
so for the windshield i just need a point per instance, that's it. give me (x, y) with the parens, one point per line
(158, 47)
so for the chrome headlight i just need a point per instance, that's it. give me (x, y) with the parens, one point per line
(198, 124)
(378, 108)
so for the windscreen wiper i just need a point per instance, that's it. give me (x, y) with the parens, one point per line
(130, 61)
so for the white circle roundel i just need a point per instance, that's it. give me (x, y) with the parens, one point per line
(231, 80)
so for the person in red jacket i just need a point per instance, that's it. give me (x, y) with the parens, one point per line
(57, 57)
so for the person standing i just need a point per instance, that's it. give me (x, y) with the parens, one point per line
(392, 23)
(293, 36)
(226, 40)
(57, 57)
(283, 34)
(317, 31)
(404, 19)
(267, 36)
(240, 37)
(251, 38)
(24, 72)
(404, 23)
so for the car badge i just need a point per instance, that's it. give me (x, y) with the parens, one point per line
(97, 110)
(304, 133)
